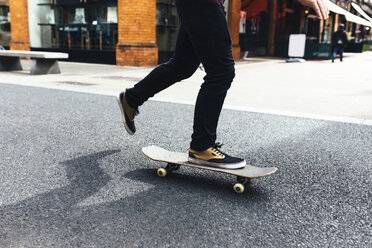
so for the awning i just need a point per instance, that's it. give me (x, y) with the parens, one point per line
(360, 11)
(366, 8)
(349, 17)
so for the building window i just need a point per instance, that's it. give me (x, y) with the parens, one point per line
(288, 20)
(253, 33)
(167, 25)
(4, 23)
(76, 24)
(326, 30)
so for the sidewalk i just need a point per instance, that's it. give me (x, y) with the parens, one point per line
(315, 89)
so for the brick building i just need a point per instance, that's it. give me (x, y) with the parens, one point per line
(125, 32)
(143, 32)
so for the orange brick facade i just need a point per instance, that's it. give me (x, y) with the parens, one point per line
(234, 22)
(19, 25)
(137, 33)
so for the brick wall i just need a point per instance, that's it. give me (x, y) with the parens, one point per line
(234, 22)
(19, 25)
(137, 33)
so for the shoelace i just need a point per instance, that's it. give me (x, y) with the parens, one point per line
(216, 147)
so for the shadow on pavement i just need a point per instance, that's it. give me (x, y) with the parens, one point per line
(46, 214)
(172, 205)
(180, 181)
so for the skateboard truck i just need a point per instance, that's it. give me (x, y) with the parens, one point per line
(162, 172)
(238, 187)
(241, 182)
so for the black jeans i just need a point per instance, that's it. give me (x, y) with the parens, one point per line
(203, 37)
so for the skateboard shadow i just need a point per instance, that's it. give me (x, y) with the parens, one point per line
(54, 208)
(177, 202)
(203, 183)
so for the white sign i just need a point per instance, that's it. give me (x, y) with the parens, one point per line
(296, 48)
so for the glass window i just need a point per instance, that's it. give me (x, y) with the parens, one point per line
(78, 24)
(289, 16)
(254, 27)
(327, 30)
(4, 23)
(167, 25)
(343, 3)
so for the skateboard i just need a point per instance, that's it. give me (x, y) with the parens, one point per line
(175, 160)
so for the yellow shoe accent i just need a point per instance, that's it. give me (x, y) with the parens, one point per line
(131, 113)
(208, 154)
(215, 158)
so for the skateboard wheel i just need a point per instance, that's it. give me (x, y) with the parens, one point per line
(162, 172)
(239, 188)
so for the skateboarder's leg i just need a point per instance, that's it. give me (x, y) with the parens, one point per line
(207, 28)
(181, 66)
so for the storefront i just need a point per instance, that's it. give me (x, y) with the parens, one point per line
(88, 29)
(254, 27)
(262, 18)
(319, 32)
(122, 32)
(291, 19)
(359, 34)
(357, 23)
(167, 25)
(366, 6)
(140, 32)
(4, 24)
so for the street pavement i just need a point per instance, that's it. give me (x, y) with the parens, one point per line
(70, 176)
(317, 89)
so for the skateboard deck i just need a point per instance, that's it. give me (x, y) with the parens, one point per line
(175, 160)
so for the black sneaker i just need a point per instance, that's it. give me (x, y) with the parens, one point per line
(127, 113)
(214, 157)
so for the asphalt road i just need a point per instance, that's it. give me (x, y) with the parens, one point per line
(71, 177)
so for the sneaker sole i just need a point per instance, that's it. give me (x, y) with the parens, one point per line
(218, 165)
(123, 116)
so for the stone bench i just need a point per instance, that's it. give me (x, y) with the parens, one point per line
(43, 62)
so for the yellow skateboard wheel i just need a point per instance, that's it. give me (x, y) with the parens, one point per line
(162, 172)
(239, 188)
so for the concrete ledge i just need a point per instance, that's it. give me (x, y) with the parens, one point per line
(33, 54)
(43, 62)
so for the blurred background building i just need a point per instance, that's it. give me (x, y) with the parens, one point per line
(259, 17)
(143, 32)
